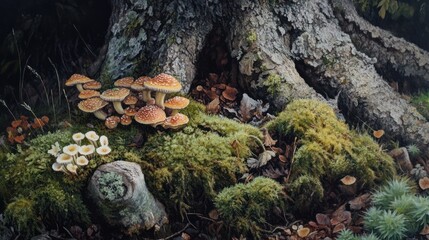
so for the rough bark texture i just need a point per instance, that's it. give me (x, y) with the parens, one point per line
(134, 208)
(391, 52)
(270, 41)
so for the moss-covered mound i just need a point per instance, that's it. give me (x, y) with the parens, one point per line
(182, 168)
(247, 207)
(421, 102)
(327, 151)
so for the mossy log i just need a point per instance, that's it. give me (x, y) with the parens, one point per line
(285, 50)
(120, 192)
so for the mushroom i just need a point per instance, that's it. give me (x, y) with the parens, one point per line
(116, 95)
(348, 180)
(378, 134)
(77, 80)
(303, 232)
(78, 137)
(94, 105)
(125, 82)
(71, 149)
(82, 161)
(126, 120)
(64, 158)
(424, 183)
(129, 111)
(150, 114)
(162, 84)
(72, 168)
(87, 150)
(104, 150)
(230, 93)
(57, 167)
(138, 85)
(112, 121)
(176, 103)
(130, 101)
(176, 121)
(85, 94)
(94, 85)
(104, 141)
(92, 137)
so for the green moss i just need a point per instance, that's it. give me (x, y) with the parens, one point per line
(20, 214)
(251, 37)
(272, 83)
(421, 102)
(327, 149)
(306, 192)
(245, 207)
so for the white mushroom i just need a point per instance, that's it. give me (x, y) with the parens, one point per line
(72, 168)
(78, 137)
(103, 150)
(71, 149)
(64, 158)
(82, 161)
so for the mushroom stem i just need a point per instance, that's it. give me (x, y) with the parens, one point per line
(159, 99)
(146, 95)
(174, 112)
(118, 107)
(79, 87)
(100, 115)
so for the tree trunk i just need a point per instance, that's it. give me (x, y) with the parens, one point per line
(119, 190)
(285, 50)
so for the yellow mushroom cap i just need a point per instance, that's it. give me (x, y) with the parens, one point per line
(103, 150)
(72, 168)
(71, 149)
(82, 161)
(163, 83)
(64, 158)
(77, 79)
(175, 121)
(125, 82)
(176, 102)
(126, 120)
(348, 180)
(150, 114)
(94, 85)
(92, 136)
(138, 84)
(303, 232)
(112, 121)
(92, 104)
(115, 94)
(130, 100)
(86, 149)
(85, 94)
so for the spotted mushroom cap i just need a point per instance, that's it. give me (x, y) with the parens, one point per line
(85, 94)
(130, 100)
(112, 121)
(94, 85)
(130, 111)
(125, 82)
(126, 120)
(115, 94)
(150, 114)
(77, 79)
(92, 104)
(163, 83)
(176, 121)
(177, 102)
(138, 84)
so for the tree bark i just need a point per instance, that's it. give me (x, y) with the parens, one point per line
(270, 41)
(123, 198)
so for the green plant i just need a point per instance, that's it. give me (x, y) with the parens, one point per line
(272, 83)
(388, 225)
(393, 190)
(20, 213)
(414, 150)
(348, 235)
(421, 102)
(245, 207)
(327, 150)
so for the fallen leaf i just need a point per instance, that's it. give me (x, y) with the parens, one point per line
(252, 163)
(268, 140)
(214, 214)
(323, 219)
(213, 107)
(360, 202)
(339, 228)
(19, 138)
(265, 157)
(16, 123)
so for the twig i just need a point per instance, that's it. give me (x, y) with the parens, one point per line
(176, 233)
(202, 217)
(83, 40)
(71, 235)
(53, 107)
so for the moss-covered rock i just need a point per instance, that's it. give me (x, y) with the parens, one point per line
(246, 207)
(327, 151)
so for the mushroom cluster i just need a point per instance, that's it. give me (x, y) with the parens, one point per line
(133, 99)
(73, 156)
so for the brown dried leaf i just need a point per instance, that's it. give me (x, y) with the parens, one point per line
(339, 228)
(268, 140)
(214, 214)
(213, 107)
(360, 202)
(323, 219)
